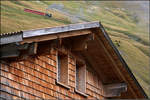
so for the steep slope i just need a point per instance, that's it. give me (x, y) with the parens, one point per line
(119, 22)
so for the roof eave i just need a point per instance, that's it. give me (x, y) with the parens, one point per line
(122, 60)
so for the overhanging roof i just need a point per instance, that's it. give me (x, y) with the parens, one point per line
(44, 34)
(20, 36)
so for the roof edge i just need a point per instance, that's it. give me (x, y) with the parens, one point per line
(58, 29)
(11, 37)
(122, 60)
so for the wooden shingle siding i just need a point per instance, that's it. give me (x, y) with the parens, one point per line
(35, 78)
(94, 86)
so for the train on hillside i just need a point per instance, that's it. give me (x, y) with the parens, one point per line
(37, 12)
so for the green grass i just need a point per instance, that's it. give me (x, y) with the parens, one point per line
(119, 24)
(137, 60)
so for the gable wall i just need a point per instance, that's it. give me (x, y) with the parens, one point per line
(35, 78)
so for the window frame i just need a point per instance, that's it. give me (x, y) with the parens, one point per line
(76, 90)
(58, 82)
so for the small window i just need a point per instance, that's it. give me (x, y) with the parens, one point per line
(80, 78)
(62, 68)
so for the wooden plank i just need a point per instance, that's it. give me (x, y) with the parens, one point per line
(32, 49)
(81, 43)
(114, 63)
(54, 30)
(116, 86)
(14, 50)
(113, 90)
(9, 54)
(8, 51)
(55, 36)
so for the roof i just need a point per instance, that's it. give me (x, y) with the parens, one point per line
(101, 42)
(45, 31)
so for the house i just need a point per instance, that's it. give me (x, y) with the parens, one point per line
(77, 61)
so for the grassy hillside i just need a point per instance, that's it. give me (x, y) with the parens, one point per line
(119, 23)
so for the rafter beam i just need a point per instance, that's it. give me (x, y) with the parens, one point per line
(55, 36)
(14, 50)
(60, 29)
(113, 90)
(81, 44)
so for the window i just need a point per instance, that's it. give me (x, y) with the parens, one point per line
(62, 69)
(81, 78)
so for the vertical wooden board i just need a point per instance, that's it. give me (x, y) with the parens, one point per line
(90, 78)
(63, 68)
(71, 61)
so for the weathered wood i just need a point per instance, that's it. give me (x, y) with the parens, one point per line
(9, 54)
(55, 36)
(71, 27)
(81, 43)
(23, 47)
(113, 90)
(62, 50)
(38, 76)
(8, 51)
(114, 64)
(14, 50)
(32, 49)
(81, 93)
(80, 46)
(81, 77)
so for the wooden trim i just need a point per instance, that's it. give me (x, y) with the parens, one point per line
(113, 90)
(85, 78)
(14, 50)
(63, 85)
(32, 49)
(81, 93)
(76, 90)
(68, 66)
(114, 64)
(57, 81)
(60, 29)
(109, 41)
(55, 36)
(81, 43)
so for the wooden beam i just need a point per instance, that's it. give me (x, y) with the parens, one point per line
(62, 49)
(114, 64)
(14, 50)
(60, 29)
(79, 58)
(9, 51)
(32, 49)
(79, 46)
(81, 43)
(113, 90)
(23, 47)
(55, 36)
